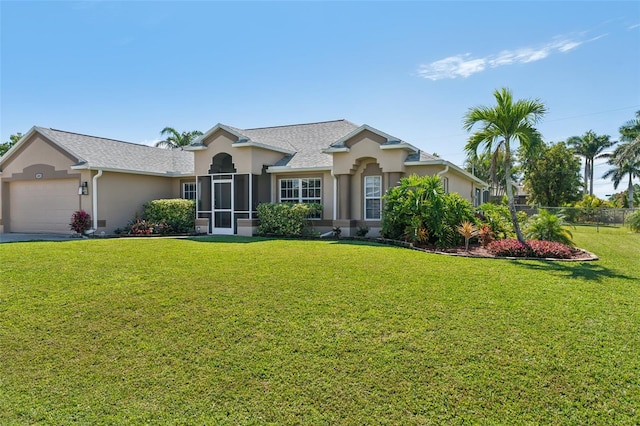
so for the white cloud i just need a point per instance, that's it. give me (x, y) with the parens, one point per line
(633, 27)
(467, 65)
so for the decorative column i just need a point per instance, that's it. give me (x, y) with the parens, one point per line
(344, 197)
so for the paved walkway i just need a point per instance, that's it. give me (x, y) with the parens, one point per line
(17, 237)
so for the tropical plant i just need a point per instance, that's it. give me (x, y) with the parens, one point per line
(630, 133)
(419, 210)
(485, 234)
(590, 146)
(80, 221)
(633, 221)
(545, 226)
(506, 123)
(175, 139)
(534, 248)
(623, 163)
(468, 231)
(490, 168)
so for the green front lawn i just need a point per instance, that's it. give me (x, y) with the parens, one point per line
(256, 331)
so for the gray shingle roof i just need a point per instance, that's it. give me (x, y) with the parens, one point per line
(306, 140)
(102, 153)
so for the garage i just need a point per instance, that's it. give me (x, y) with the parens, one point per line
(42, 205)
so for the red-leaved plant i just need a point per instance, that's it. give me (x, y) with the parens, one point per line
(509, 247)
(80, 221)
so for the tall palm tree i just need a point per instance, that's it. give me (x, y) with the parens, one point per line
(490, 168)
(623, 164)
(590, 146)
(630, 132)
(175, 140)
(501, 125)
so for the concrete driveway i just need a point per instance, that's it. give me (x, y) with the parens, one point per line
(18, 237)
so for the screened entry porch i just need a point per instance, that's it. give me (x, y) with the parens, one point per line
(223, 198)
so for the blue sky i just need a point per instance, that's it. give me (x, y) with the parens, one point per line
(125, 70)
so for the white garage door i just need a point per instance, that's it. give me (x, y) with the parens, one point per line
(42, 205)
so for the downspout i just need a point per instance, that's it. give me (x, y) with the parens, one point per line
(94, 207)
(440, 173)
(446, 169)
(335, 196)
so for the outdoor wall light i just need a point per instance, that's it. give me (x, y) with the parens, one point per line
(83, 189)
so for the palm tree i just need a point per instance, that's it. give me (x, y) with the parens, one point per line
(623, 164)
(630, 132)
(590, 146)
(175, 139)
(503, 124)
(490, 168)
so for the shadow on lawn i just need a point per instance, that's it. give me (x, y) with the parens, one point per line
(583, 270)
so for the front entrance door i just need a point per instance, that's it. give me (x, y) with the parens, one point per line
(222, 207)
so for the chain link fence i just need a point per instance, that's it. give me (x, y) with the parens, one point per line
(585, 215)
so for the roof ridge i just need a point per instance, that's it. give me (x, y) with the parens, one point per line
(100, 137)
(300, 124)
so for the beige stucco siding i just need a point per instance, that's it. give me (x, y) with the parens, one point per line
(367, 145)
(247, 159)
(122, 195)
(37, 177)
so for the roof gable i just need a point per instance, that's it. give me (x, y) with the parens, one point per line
(92, 152)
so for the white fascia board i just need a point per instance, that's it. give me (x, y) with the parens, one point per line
(401, 145)
(132, 172)
(213, 130)
(451, 166)
(261, 145)
(194, 148)
(287, 169)
(332, 150)
(18, 144)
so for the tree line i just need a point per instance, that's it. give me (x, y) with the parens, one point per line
(549, 173)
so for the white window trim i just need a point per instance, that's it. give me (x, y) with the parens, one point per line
(298, 186)
(365, 198)
(194, 190)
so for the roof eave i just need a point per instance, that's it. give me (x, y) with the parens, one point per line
(133, 172)
(401, 145)
(288, 169)
(441, 162)
(332, 150)
(199, 147)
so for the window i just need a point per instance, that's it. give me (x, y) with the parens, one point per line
(189, 190)
(372, 197)
(306, 190)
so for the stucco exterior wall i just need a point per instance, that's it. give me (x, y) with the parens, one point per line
(37, 159)
(121, 195)
(367, 145)
(245, 159)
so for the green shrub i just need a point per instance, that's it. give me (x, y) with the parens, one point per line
(633, 221)
(286, 219)
(170, 216)
(419, 210)
(497, 217)
(548, 227)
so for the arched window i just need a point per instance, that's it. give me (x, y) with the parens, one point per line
(222, 163)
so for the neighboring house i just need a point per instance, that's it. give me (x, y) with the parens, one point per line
(345, 167)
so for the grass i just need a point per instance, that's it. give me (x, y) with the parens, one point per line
(257, 331)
